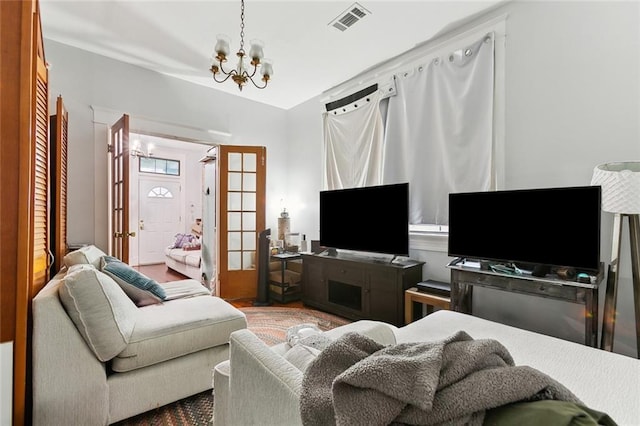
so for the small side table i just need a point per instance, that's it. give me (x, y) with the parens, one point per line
(284, 292)
(431, 300)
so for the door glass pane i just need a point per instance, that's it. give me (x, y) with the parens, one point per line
(249, 240)
(235, 161)
(233, 200)
(249, 201)
(159, 192)
(235, 261)
(235, 223)
(147, 165)
(161, 166)
(249, 162)
(234, 240)
(249, 183)
(248, 221)
(235, 181)
(173, 168)
(248, 260)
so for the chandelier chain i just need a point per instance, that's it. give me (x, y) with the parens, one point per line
(242, 27)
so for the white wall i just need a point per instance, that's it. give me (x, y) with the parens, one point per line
(304, 133)
(86, 80)
(572, 101)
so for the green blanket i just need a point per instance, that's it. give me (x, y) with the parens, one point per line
(546, 412)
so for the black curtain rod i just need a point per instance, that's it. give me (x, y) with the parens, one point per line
(351, 98)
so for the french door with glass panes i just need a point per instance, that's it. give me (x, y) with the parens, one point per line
(240, 216)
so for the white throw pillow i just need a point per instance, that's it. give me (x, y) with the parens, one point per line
(100, 310)
(87, 254)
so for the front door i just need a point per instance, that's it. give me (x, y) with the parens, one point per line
(159, 218)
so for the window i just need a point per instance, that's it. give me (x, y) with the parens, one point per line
(161, 166)
(159, 192)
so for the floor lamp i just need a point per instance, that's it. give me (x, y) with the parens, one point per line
(620, 184)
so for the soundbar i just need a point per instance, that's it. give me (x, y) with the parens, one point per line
(434, 287)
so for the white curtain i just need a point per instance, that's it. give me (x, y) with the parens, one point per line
(353, 143)
(438, 133)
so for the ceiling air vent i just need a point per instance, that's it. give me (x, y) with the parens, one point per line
(349, 17)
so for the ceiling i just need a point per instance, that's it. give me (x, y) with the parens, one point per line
(176, 37)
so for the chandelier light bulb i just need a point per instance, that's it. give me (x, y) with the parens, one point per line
(222, 46)
(267, 68)
(256, 53)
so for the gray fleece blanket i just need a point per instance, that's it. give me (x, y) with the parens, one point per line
(356, 381)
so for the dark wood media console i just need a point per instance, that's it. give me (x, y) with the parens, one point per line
(358, 288)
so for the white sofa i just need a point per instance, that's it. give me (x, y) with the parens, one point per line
(98, 358)
(187, 262)
(257, 386)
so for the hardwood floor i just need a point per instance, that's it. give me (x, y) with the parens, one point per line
(162, 274)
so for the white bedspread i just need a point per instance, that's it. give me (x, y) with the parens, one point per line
(605, 381)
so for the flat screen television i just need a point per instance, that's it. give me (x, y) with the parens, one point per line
(369, 219)
(556, 227)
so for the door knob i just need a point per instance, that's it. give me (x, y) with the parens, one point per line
(117, 234)
(131, 234)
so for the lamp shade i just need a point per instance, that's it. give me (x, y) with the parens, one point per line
(620, 184)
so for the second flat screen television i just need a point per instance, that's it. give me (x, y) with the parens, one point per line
(368, 219)
(550, 226)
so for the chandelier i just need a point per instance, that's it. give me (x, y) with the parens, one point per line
(137, 151)
(240, 75)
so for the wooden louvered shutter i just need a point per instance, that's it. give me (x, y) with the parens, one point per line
(41, 257)
(32, 242)
(59, 124)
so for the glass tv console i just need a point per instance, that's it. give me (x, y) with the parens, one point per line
(466, 274)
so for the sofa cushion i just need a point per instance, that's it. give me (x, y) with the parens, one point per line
(379, 331)
(184, 288)
(176, 328)
(128, 277)
(186, 257)
(87, 254)
(301, 356)
(100, 310)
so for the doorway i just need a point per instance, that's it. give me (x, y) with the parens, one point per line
(159, 219)
(165, 192)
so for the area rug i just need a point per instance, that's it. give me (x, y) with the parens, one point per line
(271, 324)
(268, 323)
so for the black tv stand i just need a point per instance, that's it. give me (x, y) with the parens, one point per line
(358, 287)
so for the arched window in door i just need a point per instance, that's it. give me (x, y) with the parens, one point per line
(159, 192)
